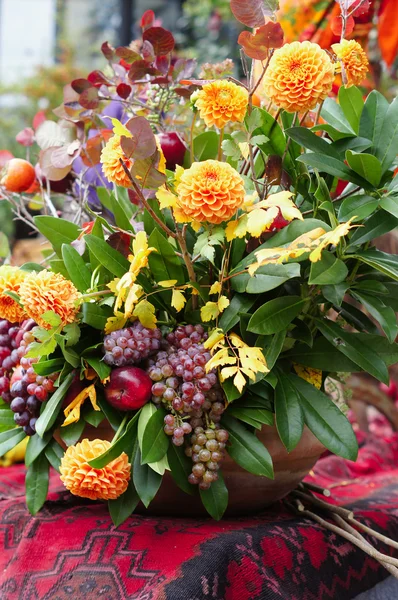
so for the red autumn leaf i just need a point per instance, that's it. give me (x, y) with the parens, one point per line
(123, 90)
(5, 156)
(252, 13)
(336, 25)
(108, 51)
(147, 19)
(388, 31)
(47, 168)
(97, 78)
(121, 242)
(143, 142)
(183, 68)
(147, 51)
(160, 80)
(161, 39)
(133, 197)
(139, 69)
(162, 64)
(89, 98)
(26, 137)
(257, 45)
(273, 169)
(79, 85)
(64, 155)
(38, 119)
(184, 92)
(360, 7)
(127, 54)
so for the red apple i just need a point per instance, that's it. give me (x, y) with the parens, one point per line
(129, 388)
(173, 149)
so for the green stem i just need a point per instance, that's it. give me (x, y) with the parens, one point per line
(219, 153)
(121, 427)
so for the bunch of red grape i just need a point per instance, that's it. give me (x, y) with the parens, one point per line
(193, 398)
(131, 345)
(11, 336)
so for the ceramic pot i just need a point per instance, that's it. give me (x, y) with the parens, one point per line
(248, 493)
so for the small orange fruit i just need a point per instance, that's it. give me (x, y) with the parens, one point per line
(19, 175)
(256, 100)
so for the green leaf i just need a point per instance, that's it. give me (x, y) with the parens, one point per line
(302, 332)
(376, 225)
(253, 120)
(111, 414)
(54, 453)
(96, 316)
(372, 117)
(78, 272)
(390, 204)
(386, 150)
(327, 271)
(357, 351)
(266, 278)
(335, 293)
(357, 319)
(6, 418)
(9, 439)
(205, 146)
(357, 206)
(57, 231)
(381, 346)
(120, 216)
(359, 144)
(288, 414)
(215, 499)
(108, 257)
(351, 102)
(275, 315)
(53, 406)
(124, 443)
(58, 266)
(149, 223)
(4, 245)
(47, 367)
(155, 442)
(231, 315)
(308, 139)
(146, 480)
(273, 350)
(164, 264)
(121, 508)
(334, 115)
(103, 370)
(94, 417)
(72, 334)
(246, 449)
(257, 417)
(325, 420)
(70, 355)
(72, 433)
(334, 167)
(383, 314)
(383, 262)
(366, 165)
(231, 392)
(322, 356)
(146, 412)
(35, 446)
(36, 483)
(371, 286)
(180, 467)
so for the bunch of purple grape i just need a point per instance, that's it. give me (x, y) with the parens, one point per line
(131, 345)
(11, 336)
(193, 397)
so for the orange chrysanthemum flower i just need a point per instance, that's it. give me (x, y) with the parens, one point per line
(110, 159)
(353, 59)
(10, 280)
(97, 484)
(210, 191)
(45, 291)
(220, 102)
(299, 76)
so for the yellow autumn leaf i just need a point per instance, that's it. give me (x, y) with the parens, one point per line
(331, 237)
(115, 323)
(145, 313)
(278, 199)
(119, 128)
(260, 220)
(166, 198)
(313, 376)
(140, 242)
(112, 285)
(209, 311)
(236, 229)
(244, 148)
(167, 283)
(253, 358)
(222, 303)
(134, 294)
(72, 411)
(214, 339)
(215, 288)
(196, 226)
(239, 381)
(220, 359)
(178, 174)
(227, 372)
(249, 373)
(178, 300)
(236, 341)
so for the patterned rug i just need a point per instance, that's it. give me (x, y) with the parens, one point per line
(71, 550)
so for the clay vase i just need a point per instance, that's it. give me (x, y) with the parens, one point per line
(248, 494)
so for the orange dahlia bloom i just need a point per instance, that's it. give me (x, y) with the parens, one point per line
(209, 191)
(353, 59)
(299, 76)
(222, 101)
(113, 170)
(45, 291)
(97, 484)
(10, 280)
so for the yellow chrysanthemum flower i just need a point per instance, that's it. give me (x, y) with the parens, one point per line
(299, 76)
(111, 166)
(97, 484)
(220, 102)
(209, 191)
(47, 291)
(10, 280)
(354, 61)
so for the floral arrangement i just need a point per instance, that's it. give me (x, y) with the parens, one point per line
(221, 279)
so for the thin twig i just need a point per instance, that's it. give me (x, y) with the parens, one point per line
(314, 488)
(343, 512)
